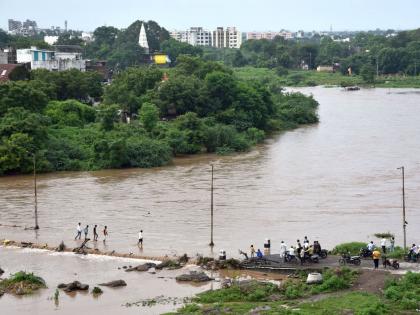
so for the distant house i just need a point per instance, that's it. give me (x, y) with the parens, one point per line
(325, 69)
(13, 72)
(55, 60)
(100, 67)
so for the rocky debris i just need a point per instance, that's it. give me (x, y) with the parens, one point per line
(314, 278)
(226, 283)
(26, 244)
(1, 271)
(194, 276)
(73, 286)
(142, 267)
(114, 284)
(61, 247)
(169, 264)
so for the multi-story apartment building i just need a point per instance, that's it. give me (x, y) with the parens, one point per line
(195, 36)
(233, 38)
(14, 26)
(221, 38)
(229, 38)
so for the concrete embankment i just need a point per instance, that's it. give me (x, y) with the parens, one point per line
(86, 250)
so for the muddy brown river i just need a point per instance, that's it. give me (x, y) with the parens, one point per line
(335, 181)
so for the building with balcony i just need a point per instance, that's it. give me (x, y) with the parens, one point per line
(58, 60)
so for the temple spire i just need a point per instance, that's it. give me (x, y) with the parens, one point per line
(143, 39)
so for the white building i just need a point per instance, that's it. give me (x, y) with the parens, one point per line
(51, 60)
(229, 38)
(51, 40)
(233, 38)
(143, 39)
(196, 36)
(221, 38)
(87, 36)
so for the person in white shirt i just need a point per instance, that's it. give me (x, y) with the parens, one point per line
(283, 249)
(371, 246)
(291, 251)
(140, 238)
(383, 245)
(79, 231)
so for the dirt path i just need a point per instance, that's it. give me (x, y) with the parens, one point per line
(372, 281)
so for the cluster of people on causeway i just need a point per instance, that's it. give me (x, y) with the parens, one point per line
(302, 250)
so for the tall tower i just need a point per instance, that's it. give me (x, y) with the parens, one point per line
(143, 39)
(65, 25)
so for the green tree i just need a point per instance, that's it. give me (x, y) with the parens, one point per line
(149, 116)
(128, 88)
(367, 72)
(108, 115)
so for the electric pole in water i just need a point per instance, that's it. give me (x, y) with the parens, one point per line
(211, 208)
(35, 195)
(403, 206)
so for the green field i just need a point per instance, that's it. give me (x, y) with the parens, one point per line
(299, 78)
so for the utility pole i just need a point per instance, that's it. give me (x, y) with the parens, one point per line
(211, 208)
(35, 195)
(403, 206)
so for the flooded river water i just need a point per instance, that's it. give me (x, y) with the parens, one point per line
(335, 181)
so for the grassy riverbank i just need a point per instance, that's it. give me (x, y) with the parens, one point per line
(296, 78)
(343, 292)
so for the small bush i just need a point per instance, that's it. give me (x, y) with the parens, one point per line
(97, 291)
(352, 248)
(384, 235)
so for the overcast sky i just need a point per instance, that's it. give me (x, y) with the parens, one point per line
(248, 15)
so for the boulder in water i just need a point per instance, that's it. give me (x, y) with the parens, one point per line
(73, 286)
(194, 276)
(114, 284)
(142, 267)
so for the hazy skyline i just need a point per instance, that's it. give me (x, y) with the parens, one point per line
(248, 15)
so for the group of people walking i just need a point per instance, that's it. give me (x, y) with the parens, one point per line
(85, 230)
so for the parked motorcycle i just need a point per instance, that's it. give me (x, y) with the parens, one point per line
(391, 263)
(290, 258)
(311, 258)
(347, 259)
(323, 254)
(365, 253)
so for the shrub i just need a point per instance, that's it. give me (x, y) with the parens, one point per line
(353, 248)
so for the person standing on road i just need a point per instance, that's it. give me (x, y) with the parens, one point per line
(392, 247)
(86, 230)
(298, 248)
(79, 231)
(376, 255)
(105, 233)
(371, 246)
(140, 238)
(283, 249)
(383, 245)
(252, 251)
(95, 234)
